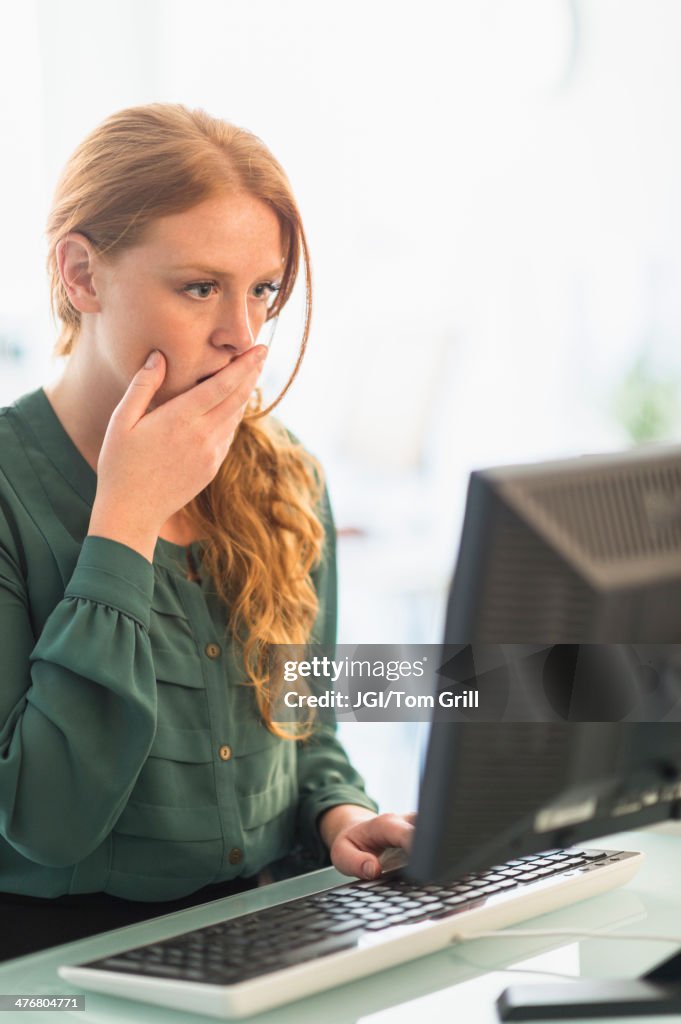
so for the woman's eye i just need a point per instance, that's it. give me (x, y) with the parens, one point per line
(267, 291)
(202, 289)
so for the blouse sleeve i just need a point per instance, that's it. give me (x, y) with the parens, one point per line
(325, 775)
(77, 707)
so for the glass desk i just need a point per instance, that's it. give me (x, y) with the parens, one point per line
(459, 984)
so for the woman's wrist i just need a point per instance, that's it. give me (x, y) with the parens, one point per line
(335, 819)
(107, 523)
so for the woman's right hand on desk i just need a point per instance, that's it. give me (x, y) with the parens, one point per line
(152, 464)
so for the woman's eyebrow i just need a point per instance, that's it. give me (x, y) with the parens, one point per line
(211, 272)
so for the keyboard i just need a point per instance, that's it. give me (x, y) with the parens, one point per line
(256, 961)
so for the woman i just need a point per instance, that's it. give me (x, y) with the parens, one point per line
(158, 531)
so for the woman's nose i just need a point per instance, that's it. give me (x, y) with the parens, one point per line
(237, 327)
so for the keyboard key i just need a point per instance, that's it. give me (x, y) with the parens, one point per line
(343, 926)
(417, 915)
(432, 907)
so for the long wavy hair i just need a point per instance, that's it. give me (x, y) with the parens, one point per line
(260, 514)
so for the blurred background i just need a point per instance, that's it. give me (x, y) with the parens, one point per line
(490, 192)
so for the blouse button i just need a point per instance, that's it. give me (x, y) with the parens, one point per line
(225, 752)
(236, 855)
(213, 650)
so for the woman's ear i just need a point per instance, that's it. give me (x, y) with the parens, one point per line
(75, 259)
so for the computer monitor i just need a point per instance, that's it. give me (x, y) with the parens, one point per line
(583, 551)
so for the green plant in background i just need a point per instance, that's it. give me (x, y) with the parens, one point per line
(646, 402)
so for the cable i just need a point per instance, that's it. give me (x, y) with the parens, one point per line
(517, 970)
(549, 933)
(535, 970)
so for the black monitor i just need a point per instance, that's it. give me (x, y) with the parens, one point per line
(580, 561)
(584, 550)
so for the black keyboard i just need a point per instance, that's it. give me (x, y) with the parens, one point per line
(245, 947)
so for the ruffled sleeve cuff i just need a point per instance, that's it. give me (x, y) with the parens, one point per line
(115, 575)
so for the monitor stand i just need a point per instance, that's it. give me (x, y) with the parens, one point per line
(655, 994)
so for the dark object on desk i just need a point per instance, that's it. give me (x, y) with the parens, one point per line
(564, 560)
(657, 993)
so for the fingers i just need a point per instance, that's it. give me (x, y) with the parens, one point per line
(386, 830)
(142, 388)
(357, 849)
(234, 382)
(351, 860)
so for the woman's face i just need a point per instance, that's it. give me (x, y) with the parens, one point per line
(198, 288)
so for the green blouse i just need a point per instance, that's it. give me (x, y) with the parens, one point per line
(131, 760)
